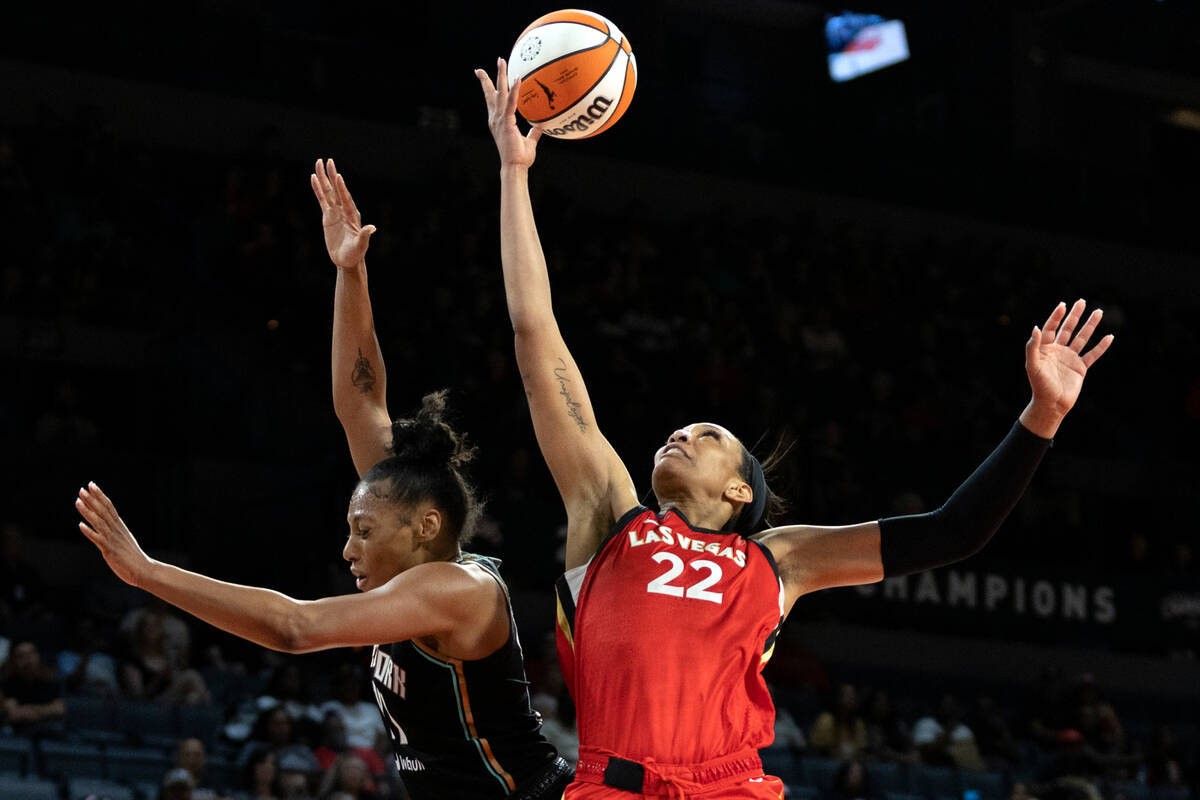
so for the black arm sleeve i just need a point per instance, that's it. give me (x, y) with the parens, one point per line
(965, 522)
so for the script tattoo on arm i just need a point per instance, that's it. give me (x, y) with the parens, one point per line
(363, 376)
(572, 406)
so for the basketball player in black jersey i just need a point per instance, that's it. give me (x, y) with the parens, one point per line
(446, 663)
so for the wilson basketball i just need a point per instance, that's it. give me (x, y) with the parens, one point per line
(577, 73)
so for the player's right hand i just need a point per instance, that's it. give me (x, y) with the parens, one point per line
(516, 149)
(109, 533)
(346, 238)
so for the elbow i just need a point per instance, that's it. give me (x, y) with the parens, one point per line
(527, 322)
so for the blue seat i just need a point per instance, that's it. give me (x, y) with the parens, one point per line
(80, 788)
(148, 722)
(27, 789)
(782, 764)
(884, 777)
(146, 790)
(201, 722)
(903, 796)
(819, 772)
(91, 718)
(16, 755)
(64, 760)
(936, 781)
(991, 784)
(128, 764)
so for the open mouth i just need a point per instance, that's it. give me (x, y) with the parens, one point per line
(674, 448)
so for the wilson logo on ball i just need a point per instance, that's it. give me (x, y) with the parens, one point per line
(577, 73)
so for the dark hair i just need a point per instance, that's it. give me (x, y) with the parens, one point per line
(427, 461)
(775, 505)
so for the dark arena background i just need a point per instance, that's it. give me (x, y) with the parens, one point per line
(853, 267)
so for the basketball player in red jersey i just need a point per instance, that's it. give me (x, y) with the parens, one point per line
(666, 617)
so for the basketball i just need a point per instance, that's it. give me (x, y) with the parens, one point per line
(577, 73)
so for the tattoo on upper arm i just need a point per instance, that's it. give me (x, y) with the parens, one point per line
(572, 406)
(363, 376)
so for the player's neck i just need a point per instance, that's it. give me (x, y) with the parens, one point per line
(699, 514)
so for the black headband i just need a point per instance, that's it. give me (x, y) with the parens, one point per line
(751, 516)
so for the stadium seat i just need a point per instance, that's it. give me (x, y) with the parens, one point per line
(884, 777)
(991, 784)
(782, 764)
(27, 789)
(80, 788)
(819, 772)
(201, 722)
(129, 764)
(1170, 793)
(65, 760)
(902, 796)
(16, 755)
(936, 781)
(146, 790)
(148, 723)
(92, 719)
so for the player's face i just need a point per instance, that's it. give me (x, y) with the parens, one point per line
(380, 545)
(698, 460)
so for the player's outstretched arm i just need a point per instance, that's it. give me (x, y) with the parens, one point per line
(595, 486)
(438, 599)
(812, 557)
(359, 377)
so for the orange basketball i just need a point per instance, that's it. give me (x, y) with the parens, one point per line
(577, 73)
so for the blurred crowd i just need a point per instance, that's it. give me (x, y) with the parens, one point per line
(166, 321)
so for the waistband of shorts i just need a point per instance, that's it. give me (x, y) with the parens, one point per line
(647, 776)
(548, 784)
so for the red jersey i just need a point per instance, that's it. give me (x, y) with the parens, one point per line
(662, 637)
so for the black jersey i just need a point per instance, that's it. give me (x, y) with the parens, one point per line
(464, 729)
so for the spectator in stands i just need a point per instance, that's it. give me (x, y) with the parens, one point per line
(558, 723)
(156, 670)
(275, 729)
(258, 775)
(361, 718)
(88, 667)
(888, 736)
(348, 775)
(178, 784)
(32, 697)
(296, 775)
(840, 732)
(1164, 758)
(992, 735)
(944, 740)
(191, 755)
(789, 737)
(1051, 710)
(288, 687)
(333, 744)
(850, 781)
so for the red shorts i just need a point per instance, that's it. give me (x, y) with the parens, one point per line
(605, 776)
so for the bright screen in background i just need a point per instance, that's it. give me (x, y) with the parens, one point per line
(862, 43)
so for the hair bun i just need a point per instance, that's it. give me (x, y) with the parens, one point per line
(427, 440)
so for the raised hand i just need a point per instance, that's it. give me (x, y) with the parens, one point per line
(109, 533)
(516, 149)
(346, 238)
(1056, 364)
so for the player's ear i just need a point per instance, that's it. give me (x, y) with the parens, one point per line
(431, 525)
(738, 491)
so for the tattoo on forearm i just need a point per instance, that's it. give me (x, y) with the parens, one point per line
(363, 376)
(572, 406)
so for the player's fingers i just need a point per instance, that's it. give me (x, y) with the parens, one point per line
(334, 180)
(344, 194)
(107, 506)
(369, 230)
(514, 94)
(1033, 346)
(534, 134)
(1072, 319)
(489, 89)
(1093, 355)
(316, 185)
(1055, 317)
(89, 513)
(95, 538)
(1085, 333)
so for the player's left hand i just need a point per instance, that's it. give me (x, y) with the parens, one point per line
(346, 238)
(106, 530)
(516, 149)
(1056, 363)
